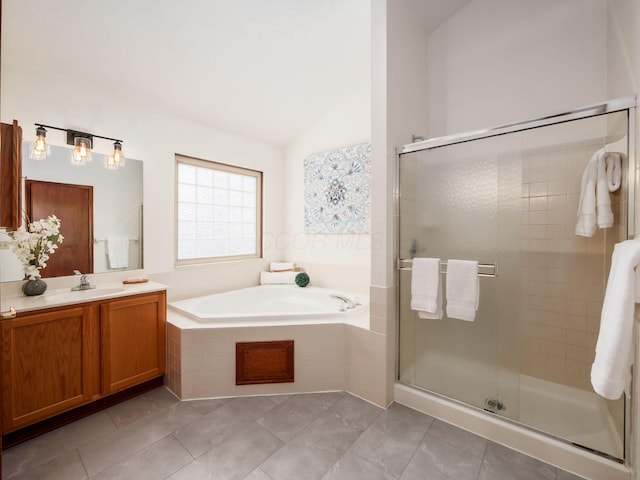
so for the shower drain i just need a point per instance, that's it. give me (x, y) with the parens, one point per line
(494, 405)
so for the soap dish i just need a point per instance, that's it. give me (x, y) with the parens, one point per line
(130, 281)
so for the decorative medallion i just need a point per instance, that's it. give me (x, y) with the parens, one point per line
(338, 191)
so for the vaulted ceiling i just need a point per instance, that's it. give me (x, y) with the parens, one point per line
(265, 69)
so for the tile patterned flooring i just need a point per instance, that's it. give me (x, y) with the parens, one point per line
(328, 436)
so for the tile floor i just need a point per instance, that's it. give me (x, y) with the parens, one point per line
(327, 436)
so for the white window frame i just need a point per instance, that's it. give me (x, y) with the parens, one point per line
(222, 167)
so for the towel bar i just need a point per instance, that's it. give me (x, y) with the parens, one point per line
(104, 240)
(484, 269)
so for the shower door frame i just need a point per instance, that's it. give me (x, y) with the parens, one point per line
(611, 106)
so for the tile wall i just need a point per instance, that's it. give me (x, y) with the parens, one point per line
(208, 360)
(328, 357)
(563, 275)
(370, 354)
(173, 376)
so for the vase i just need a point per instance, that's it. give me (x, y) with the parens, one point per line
(34, 287)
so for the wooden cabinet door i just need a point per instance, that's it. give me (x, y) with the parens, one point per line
(10, 175)
(45, 365)
(73, 205)
(133, 340)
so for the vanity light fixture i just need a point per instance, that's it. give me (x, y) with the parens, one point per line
(82, 145)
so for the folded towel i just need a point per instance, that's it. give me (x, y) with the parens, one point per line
(611, 369)
(613, 167)
(604, 214)
(281, 267)
(437, 315)
(426, 291)
(586, 224)
(602, 175)
(274, 278)
(463, 289)
(118, 252)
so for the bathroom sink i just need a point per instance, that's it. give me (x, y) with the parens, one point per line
(69, 296)
(101, 292)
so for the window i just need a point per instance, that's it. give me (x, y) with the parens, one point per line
(219, 212)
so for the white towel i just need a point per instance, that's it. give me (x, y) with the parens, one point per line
(614, 170)
(463, 289)
(601, 176)
(118, 252)
(281, 266)
(426, 291)
(610, 372)
(604, 215)
(275, 278)
(586, 224)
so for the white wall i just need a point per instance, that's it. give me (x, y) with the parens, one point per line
(335, 260)
(399, 109)
(381, 250)
(500, 61)
(154, 138)
(623, 51)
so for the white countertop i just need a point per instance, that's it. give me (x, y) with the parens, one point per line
(64, 296)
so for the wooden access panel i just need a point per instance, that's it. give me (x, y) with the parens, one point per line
(10, 175)
(73, 205)
(132, 340)
(46, 365)
(264, 362)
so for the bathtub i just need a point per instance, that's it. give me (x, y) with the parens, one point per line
(203, 332)
(272, 305)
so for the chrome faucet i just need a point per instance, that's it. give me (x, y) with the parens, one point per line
(85, 284)
(348, 304)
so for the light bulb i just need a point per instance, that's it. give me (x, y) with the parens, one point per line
(110, 163)
(81, 151)
(118, 157)
(40, 148)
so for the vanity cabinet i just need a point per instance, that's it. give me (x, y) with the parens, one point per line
(132, 341)
(46, 361)
(60, 358)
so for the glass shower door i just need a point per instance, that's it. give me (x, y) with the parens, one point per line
(512, 200)
(449, 209)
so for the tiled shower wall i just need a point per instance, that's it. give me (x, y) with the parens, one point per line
(563, 275)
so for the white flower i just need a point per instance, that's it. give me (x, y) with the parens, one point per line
(33, 246)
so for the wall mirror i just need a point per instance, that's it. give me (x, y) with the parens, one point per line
(114, 217)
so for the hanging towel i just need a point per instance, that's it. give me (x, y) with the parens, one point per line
(610, 372)
(118, 252)
(586, 224)
(426, 291)
(463, 289)
(604, 215)
(602, 175)
(275, 278)
(613, 167)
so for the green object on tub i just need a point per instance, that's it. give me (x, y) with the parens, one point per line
(302, 279)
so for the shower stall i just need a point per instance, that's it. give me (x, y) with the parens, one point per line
(508, 198)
